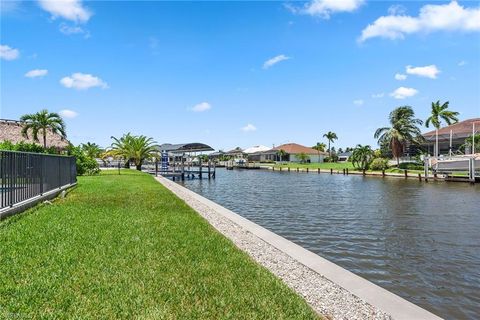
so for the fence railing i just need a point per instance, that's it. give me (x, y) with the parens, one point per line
(25, 175)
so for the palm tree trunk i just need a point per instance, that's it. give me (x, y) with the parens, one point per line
(436, 143)
(44, 139)
(329, 151)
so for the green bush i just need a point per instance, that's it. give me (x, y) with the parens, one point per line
(85, 165)
(26, 147)
(379, 164)
(411, 166)
(333, 158)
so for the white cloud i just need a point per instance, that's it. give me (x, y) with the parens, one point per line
(36, 73)
(403, 92)
(249, 128)
(325, 8)
(378, 95)
(66, 113)
(462, 63)
(400, 77)
(68, 9)
(270, 62)
(358, 102)
(204, 106)
(397, 9)
(432, 17)
(68, 30)
(82, 81)
(8, 53)
(430, 71)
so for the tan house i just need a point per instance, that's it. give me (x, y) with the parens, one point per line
(292, 151)
(11, 130)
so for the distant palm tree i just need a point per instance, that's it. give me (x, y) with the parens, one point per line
(331, 136)
(438, 113)
(403, 130)
(303, 157)
(362, 156)
(281, 154)
(43, 121)
(134, 148)
(92, 150)
(320, 147)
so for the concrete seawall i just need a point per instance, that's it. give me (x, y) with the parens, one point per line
(332, 291)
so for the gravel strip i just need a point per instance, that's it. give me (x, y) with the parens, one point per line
(325, 297)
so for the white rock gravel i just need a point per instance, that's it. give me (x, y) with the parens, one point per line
(325, 297)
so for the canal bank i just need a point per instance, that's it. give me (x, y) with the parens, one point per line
(331, 290)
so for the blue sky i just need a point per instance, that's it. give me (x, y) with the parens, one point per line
(237, 73)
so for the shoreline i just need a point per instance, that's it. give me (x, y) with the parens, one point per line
(330, 290)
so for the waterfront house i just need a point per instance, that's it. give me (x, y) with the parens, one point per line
(255, 153)
(292, 151)
(455, 133)
(11, 130)
(344, 156)
(236, 153)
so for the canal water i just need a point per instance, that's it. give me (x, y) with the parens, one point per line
(418, 240)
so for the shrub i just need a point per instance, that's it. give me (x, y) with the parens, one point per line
(411, 166)
(379, 164)
(26, 147)
(85, 165)
(333, 158)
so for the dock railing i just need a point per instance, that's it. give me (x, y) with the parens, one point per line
(25, 175)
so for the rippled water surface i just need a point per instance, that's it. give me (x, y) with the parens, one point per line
(419, 240)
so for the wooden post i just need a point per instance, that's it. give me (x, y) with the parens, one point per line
(343, 171)
(183, 166)
(156, 167)
(363, 171)
(331, 171)
(288, 169)
(347, 171)
(273, 168)
(419, 177)
(383, 172)
(209, 171)
(280, 168)
(406, 173)
(307, 170)
(318, 170)
(200, 168)
(297, 169)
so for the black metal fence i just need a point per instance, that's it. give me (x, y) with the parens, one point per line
(24, 175)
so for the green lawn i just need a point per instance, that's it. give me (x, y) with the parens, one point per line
(126, 247)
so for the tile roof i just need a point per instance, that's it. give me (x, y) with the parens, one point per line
(11, 130)
(295, 148)
(462, 129)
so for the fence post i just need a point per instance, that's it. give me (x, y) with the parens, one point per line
(406, 173)
(331, 171)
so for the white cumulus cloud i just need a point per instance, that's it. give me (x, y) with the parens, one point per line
(204, 106)
(8, 53)
(325, 8)
(66, 113)
(358, 102)
(462, 63)
(271, 62)
(432, 17)
(430, 71)
(36, 73)
(82, 81)
(400, 77)
(403, 92)
(249, 128)
(68, 9)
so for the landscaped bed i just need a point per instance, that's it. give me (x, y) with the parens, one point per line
(123, 246)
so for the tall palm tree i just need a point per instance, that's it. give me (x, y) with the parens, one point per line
(331, 136)
(362, 156)
(134, 148)
(43, 121)
(439, 112)
(320, 147)
(403, 130)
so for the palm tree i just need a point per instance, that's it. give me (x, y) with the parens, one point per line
(403, 130)
(320, 147)
(134, 148)
(303, 157)
(281, 154)
(43, 121)
(439, 113)
(362, 156)
(331, 136)
(92, 150)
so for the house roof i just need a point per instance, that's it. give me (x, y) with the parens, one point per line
(11, 130)
(256, 149)
(345, 154)
(235, 151)
(185, 147)
(295, 148)
(462, 129)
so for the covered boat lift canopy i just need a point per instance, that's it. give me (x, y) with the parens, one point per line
(185, 147)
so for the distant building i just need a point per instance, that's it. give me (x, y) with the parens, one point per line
(11, 130)
(235, 153)
(344, 156)
(458, 131)
(292, 151)
(255, 153)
